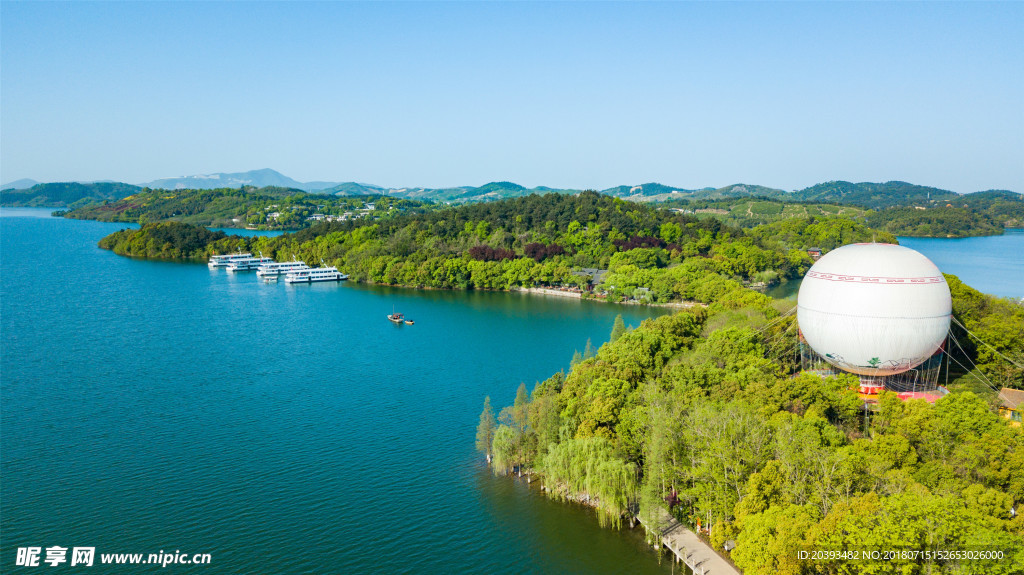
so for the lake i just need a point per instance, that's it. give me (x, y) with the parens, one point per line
(153, 406)
(990, 264)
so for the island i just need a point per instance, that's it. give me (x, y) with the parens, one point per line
(590, 244)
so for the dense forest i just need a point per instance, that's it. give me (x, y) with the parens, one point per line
(938, 222)
(262, 208)
(752, 212)
(979, 214)
(701, 415)
(873, 195)
(650, 255)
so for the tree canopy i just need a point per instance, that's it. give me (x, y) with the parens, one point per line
(702, 415)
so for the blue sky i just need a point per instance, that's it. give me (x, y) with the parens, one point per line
(559, 94)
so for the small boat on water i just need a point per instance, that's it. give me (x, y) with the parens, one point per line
(399, 318)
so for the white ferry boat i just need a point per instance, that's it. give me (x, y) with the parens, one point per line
(275, 269)
(223, 261)
(309, 275)
(248, 264)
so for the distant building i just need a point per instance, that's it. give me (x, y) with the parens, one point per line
(274, 215)
(1011, 404)
(814, 253)
(596, 276)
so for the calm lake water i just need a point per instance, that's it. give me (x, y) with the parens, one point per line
(990, 264)
(152, 406)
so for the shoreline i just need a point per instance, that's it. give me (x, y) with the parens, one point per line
(552, 292)
(686, 546)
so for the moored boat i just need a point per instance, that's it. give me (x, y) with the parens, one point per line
(248, 264)
(310, 275)
(224, 260)
(274, 269)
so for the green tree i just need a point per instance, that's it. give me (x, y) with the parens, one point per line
(485, 430)
(618, 328)
(504, 450)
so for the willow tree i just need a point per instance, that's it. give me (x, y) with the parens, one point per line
(504, 451)
(588, 466)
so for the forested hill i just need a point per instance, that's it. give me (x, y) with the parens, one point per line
(898, 207)
(263, 208)
(865, 194)
(67, 194)
(643, 253)
(704, 416)
(977, 214)
(872, 195)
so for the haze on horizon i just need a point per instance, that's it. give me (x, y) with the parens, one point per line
(564, 94)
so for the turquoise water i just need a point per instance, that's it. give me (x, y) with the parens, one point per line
(152, 406)
(990, 264)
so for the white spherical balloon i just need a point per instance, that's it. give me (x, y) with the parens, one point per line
(874, 309)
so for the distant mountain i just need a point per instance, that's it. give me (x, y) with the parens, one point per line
(21, 184)
(742, 191)
(352, 189)
(67, 193)
(654, 192)
(317, 187)
(872, 195)
(864, 194)
(644, 191)
(470, 194)
(258, 178)
(994, 195)
(500, 190)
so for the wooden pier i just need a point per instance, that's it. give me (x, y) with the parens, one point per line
(691, 551)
